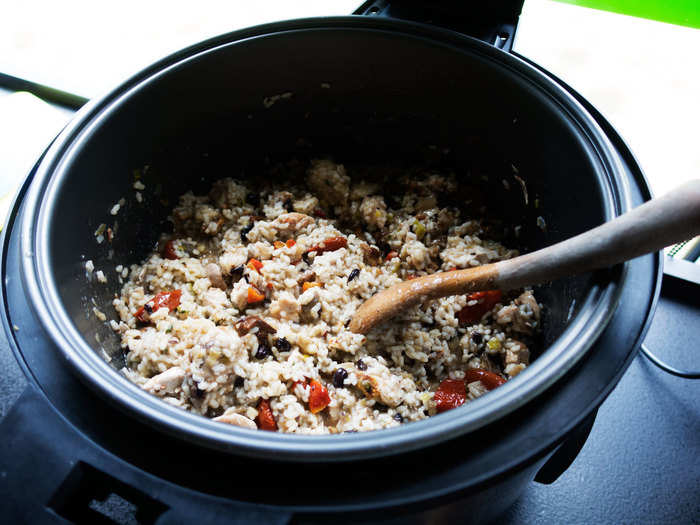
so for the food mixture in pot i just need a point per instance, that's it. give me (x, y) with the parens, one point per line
(241, 313)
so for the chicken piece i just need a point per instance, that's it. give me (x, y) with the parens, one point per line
(292, 222)
(286, 307)
(214, 274)
(166, 382)
(523, 314)
(237, 420)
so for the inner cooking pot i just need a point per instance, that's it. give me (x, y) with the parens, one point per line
(357, 89)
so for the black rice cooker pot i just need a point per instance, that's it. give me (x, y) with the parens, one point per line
(361, 89)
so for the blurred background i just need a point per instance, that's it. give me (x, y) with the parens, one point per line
(642, 74)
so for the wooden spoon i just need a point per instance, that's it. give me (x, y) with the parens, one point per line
(648, 228)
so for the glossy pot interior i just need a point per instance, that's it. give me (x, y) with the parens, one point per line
(360, 91)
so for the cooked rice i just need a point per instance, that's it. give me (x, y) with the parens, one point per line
(194, 358)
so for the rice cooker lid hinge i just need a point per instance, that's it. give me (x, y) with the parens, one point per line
(491, 22)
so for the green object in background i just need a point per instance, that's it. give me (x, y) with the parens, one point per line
(679, 12)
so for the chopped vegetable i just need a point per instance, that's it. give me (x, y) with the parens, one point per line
(450, 394)
(254, 296)
(265, 419)
(171, 300)
(290, 243)
(368, 386)
(487, 300)
(391, 255)
(318, 397)
(169, 251)
(254, 265)
(329, 245)
(419, 229)
(493, 344)
(307, 285)
(488, 379)
(278, 245)
(318, 394)
(353, 274)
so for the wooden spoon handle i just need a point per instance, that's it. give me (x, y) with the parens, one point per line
(648, 228)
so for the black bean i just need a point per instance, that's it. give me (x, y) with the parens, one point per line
(148, 308)
(477, 338)
(263, 351)
(238, 382)
(361, 365)
(237, 272)
(246, 230)
(353, 274)
(398, 417)
(339, 378)
(283, 345)
(195, 390)
(288, 205)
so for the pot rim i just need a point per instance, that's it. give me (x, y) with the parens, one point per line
(548, 368)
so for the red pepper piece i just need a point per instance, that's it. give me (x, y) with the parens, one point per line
(329, 245)
(391, 255)
(318, 394)
(254, 296)
(450, 394)
(254, 264)
(265, 419)
(169, 299)
(488, 379)
(169, 251)
(290, 243)
(487, 300)
(318, 397)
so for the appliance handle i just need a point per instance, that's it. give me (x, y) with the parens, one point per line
(50, 469)
(565, 455)
(493, 22)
